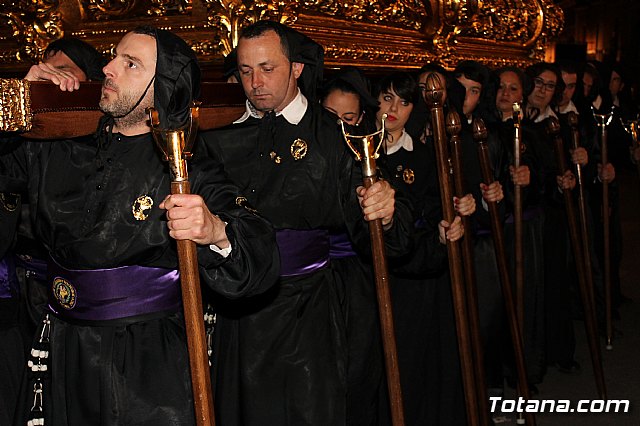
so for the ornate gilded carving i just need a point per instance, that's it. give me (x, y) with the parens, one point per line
(228, 17)
(102, 10)
(15, 105)
(410, 14)
(33, 24)
(367, 33)
(525, 23)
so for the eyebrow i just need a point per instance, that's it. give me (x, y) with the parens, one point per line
(129, 57)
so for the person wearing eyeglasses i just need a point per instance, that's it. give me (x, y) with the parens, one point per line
(559, 267)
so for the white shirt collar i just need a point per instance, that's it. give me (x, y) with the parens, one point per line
(405, 141)
(293, 112)
(546, 114)
(570, 107)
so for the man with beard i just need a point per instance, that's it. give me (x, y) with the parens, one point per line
(112, 345)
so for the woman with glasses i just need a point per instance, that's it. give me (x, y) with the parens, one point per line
(559, 267)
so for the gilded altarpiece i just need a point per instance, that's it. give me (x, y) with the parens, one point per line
(369, 33)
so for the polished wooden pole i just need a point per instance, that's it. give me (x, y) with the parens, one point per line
(433, 97)
(587, 299)
(365, 149)
(480, 135)
(517, 219)
(177, 149)
(453, 129)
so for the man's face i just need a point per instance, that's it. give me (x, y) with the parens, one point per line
(473, 89)
(268, 78)
(61, 61)
(587, 83)
(544, 87)
(422, 83)
(570, 81)
(345, 105)
(510, 92)
(128, 75)
(615, 84)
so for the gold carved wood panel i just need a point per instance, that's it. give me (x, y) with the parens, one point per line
(367, 33)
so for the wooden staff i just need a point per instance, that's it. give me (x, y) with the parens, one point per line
(572, 119)
(433, 97)
(553, 128)
(480, 135)
(517, 218)
(603, 121)
(366, 149)
(177, 150)
(453, 129)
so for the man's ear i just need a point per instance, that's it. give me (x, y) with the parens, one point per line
(297, 68)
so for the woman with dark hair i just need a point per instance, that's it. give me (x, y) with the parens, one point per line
(420, 288)
(508, 86)
(559, 267)
(347, 96)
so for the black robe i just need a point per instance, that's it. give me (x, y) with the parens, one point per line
(132, 370)
(421, 297)
(282, 358)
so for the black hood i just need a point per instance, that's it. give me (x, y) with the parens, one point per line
(85, 56)
(177, 80)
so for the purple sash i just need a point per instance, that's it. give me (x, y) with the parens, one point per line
(340, 246)
(302, 251)
(8, 279)
(107, 294)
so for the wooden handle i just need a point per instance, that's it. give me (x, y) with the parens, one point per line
(194, 322)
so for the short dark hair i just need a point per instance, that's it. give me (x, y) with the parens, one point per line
(261, 27)
(402, 83)
(472, 70)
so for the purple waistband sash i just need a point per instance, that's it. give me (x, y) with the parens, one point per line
(302, 251)
(8, 279)
(340, 246)
(108, 294)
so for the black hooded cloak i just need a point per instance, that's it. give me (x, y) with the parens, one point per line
(132, 369)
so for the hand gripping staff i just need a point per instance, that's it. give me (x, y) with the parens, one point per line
(433, 97)
(586, 293)
(517, 217)
(453, 129)
(480, 135)
(177, 149)
(366, 150)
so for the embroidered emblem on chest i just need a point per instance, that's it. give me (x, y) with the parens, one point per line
(141, 207)
(64, 292)
(408, 176)
(9, 201)
(298, 149)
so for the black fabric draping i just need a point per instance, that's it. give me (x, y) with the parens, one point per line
(283, 356)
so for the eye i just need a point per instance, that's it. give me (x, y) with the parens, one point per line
(131, 65)
(405, 103)
(267, 69)
(387, 98)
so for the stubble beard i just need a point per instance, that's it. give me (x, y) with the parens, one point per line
(120, 107)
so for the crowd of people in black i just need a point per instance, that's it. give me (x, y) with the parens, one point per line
(280, 219)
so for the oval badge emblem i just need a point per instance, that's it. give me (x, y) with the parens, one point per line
(64, 292)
